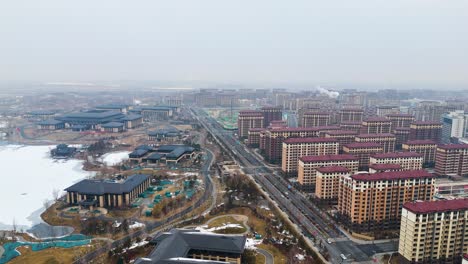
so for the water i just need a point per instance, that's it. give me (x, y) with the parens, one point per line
(28, 179)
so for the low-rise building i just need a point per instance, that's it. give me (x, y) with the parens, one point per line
(132, 121)
(307, 167)
(362, 151)
(407, 160)
(51, 124)
(427, 148)
(113, 127)
(372, 202)
(107, 193)
(434, 231)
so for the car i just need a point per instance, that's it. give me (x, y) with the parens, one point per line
(343, 257)
(329, 241)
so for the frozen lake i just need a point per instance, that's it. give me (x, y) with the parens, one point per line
(29, 177)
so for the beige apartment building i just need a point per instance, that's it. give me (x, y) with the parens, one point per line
(407, 160)
(248, 119)
(313, 119)
(351, 125)
(376, 125)
(294, 148)
(351, 114)
(387, 140)
(427, 148)
(328, 182)
(434, 231)
(307, 167)
(401, 120)
(362, 150)
(369, 203)
(342, 136)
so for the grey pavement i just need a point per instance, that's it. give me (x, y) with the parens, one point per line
(268, 256)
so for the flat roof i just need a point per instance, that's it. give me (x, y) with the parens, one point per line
(424, 207)
(406, 154)
(309, 140)
(392, 175)
(328, 158)
(99, 187)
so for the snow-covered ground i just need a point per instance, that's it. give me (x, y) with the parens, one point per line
(113, 158)
(29, 177)
(136, 225)
(251, 243)
(224, 226)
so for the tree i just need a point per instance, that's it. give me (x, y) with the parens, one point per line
(248, 257)
(56, 194)
(125, 226)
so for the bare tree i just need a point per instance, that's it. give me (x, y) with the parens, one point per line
(56, 194)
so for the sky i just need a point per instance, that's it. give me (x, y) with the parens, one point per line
(391, 42)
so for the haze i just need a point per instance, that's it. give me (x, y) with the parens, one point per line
(410, 42)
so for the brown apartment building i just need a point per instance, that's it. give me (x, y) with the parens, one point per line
(342, 136)
(407, 160)
(401, 136)
(327, 182)
(313, 119)
(351, 114)
(422, 130)
(271, 113)
(362, 150)
(307, 167)
(274, 137)
(254, 137)
(387, 140)
(452, 159)
(370, 203)
(248, 119)
(376, 125)
(434, 231)
(351, 125)
(401, 120)
(294, 148)
(427, 148)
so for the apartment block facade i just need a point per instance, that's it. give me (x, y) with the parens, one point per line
(387, 140)
(427, 148)
(362, 151)
(407, 160)
(328, 182)
(376, 125)
(313, 119)
(248, 119)
(452, 159)
(351, 114)
(422, 130)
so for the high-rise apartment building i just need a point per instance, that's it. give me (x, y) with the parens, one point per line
(425, 147)
(407, 160)
(248, 119)
(328, 182)
(313, 119)
(401, 135)
(294, 148)
(271, 113)
(372, 202)
(452, 159)
(421, 130)
(387, 140)
(342, 136)
(434, 231)
(454, 125)
(362, 150)
(376, 125)
(254, 137)
(401, 120)
(351, 125)
(351, 114)
(307, 167)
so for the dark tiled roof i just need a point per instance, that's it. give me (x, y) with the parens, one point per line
(453, 146)
(131, 117)
(407, 154)
(50, 122)
(424, 207)
(112, 125)
(99, 187)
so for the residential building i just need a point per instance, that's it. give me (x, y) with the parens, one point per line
(376, 125)
(189, 246)
(385, 110)
(427, 148)
(342, 136)
(369, 203)
(434, 231)
(328, 182)
(351, 125)
(254, 137)
(294, 148)
(113, 127)
(313, 119)
(387, 140)
(454, 125)
(401, 120)
(274, 138)
(248, 119)
(307, 167)
(421, 130)
(377, 168)
(452, 159)
(107, 193)
(362, 150)
(401, 136)
(271, 113)
(351, 114)
(407, 160)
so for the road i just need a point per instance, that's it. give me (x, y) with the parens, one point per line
(310, 219)
(268, 256)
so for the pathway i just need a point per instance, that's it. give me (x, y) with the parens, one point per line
(268, 256)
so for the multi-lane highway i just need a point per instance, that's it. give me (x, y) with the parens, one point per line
(310, 220)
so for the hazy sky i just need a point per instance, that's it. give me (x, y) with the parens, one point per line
(297, 41)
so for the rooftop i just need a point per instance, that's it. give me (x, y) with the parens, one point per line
(316, 113)
(131, 117)
(393, 175)
(332, 169)
(400, 115)
(388, 166)
(112, 125)
(113, 106)
(292, 129)
(377, 119)
(327, 158)
(453, 146)
(406, 154)
(342, 132)
(424, 207)
(99, 187)
(426, 123)
(376, 135)
(309, 140)
(50, 122)
(352, 109)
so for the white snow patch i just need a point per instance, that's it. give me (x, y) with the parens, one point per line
(114, 158)
(251, 243)
(300, 257)
(136, 225)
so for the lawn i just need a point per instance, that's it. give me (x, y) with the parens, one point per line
(279, 257)
(50, 256)
(222, 221)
